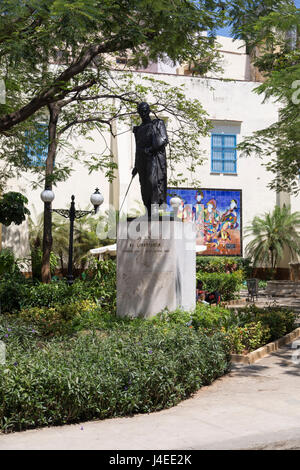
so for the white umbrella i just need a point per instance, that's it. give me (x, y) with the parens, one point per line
(111, 249)
(200, 248)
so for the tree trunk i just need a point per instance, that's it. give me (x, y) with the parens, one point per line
(61, 262)
(47, 235)
(273, 264)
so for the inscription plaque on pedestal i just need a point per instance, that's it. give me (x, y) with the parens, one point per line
(156, 267)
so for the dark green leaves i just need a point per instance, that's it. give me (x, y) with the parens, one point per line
(13, 209)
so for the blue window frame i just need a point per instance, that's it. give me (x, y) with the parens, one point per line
(37, 151)
(223, 153)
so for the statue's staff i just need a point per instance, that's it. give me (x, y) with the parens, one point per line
(126, 193)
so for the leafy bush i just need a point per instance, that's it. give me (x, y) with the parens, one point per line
(130, 370)
(16, 292)
(212, 317)
(7, 262)
(13, 208)
(63, 319)
(59, 292)
(262, 284)
(228, 285)
(68, 318)
(12, 289)
(176, 317)
(103, 276)
(247, 329)
(280, 321)
(223, 264)
(248, 338)
(41, 295)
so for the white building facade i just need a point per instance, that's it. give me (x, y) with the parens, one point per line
(235, 110)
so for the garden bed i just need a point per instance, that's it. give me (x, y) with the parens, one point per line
(70, 359)
(55, 376)
(263, 351)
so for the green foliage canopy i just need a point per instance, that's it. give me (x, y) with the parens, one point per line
(13, 209)
(272, 34)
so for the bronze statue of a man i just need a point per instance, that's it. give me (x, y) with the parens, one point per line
(150, 158)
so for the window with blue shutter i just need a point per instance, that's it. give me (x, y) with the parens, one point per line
(223, 153)
(37, 149)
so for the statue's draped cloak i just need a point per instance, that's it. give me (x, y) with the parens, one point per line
(152, 169)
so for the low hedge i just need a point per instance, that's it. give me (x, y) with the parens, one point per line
(137, 368)
(224, 264)
(246, 329)
(280, 321)
(228, 285)
(16, 292)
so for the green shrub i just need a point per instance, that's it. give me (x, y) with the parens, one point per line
(103, 271)
(59, 292)
(247, 329)
(16, 292)
(62, 319)
(12, 289)
(280, 321)
(248, 338)
(42, 295)
(130, 370)
(177, 317)
(262, 284)
(11, 282)
(228, 285)
(7, 262)
(223, 264)
(211, 317)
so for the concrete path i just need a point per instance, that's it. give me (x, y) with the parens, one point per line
(255, 406)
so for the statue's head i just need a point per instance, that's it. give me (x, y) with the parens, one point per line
(143, 109)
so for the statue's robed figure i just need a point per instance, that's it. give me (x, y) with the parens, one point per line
(150, 159)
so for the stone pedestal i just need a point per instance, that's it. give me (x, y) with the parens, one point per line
(156, 267)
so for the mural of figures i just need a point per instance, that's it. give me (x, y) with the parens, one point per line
(217, 216)
(211, 225)
(198, 217)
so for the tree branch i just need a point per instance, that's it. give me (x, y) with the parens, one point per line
(56, 91)
(84, 121)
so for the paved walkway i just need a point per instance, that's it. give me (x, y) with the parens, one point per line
(255, 406)
(264, 300)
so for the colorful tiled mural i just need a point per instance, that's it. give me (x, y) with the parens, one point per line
(217, 215)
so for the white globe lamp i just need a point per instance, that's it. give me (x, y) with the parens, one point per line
(47, 195)
(97, 199)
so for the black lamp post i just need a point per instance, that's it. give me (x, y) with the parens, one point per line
(72, 214)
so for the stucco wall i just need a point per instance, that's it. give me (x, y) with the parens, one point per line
(230, 104)
(234, 61)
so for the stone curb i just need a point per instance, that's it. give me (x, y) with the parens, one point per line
(254, 356)
(228, 303)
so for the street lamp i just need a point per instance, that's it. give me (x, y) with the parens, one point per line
(96, 199)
